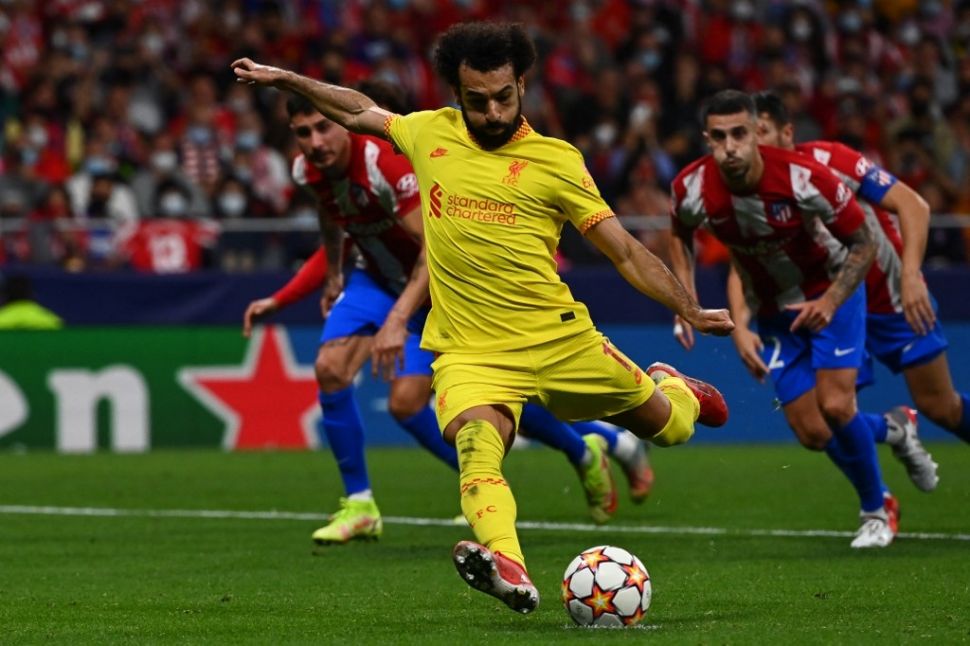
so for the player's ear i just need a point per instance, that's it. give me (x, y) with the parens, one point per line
(788, 134)
(520, 83)
(707, 140)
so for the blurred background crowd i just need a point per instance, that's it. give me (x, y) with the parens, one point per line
(126, 143)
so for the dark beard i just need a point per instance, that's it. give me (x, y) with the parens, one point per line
(491, 141)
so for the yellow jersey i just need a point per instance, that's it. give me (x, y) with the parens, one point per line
(492, 222)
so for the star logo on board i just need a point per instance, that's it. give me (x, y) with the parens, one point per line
(270, 401)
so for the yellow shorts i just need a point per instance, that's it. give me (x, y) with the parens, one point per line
(578, 377)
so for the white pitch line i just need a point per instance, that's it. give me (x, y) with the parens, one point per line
(447, 522)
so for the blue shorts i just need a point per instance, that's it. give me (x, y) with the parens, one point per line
(361, 310)
(890, 339)
(793, 358)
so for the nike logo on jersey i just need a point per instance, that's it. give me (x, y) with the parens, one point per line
(438, 152)
(718, 220)
(908, 347)
(841, 352)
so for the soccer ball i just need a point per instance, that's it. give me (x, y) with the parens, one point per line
(606, 586)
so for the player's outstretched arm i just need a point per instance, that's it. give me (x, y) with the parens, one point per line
(350, 108)
(914, 223)
(651, 276)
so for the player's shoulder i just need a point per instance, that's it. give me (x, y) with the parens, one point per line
(836, 155)
(693, 187)
(303, 172)
(553, 152)
(370, 146)
(798, 167)
(694, 169)
(446, 117)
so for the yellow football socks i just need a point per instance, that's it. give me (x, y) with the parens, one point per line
(486, 499)
(684, 409)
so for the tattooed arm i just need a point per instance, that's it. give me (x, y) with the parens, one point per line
(816, 314)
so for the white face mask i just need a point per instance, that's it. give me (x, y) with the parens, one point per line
(165, 161)
(37, 136)
(173, 204)
(801, 29)
(232, 204)
(605, 134)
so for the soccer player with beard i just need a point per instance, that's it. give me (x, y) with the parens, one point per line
(902, 330)
(506, 329)
(802, 247)
(366, 192)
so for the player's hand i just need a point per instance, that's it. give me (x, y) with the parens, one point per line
(749, 347)
(249, 71)
(812, 315)
(716, 322)
(683, 332)
(387, 352)
(257, 310)
(917, 306)
(332, 289)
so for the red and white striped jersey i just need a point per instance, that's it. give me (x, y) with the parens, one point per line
(773, 231)
(883, 292)
(378, 188)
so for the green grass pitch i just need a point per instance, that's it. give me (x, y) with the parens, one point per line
(160, 572)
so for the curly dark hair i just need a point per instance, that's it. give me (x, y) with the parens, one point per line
(483, 46)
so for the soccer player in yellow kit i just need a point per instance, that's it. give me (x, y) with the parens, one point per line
(495, 195)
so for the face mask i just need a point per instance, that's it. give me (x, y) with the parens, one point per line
(851, 22)
(239, 104)
(173, 205)
(242, 173)
(37, 136)
(247, 140)
(199, 135)
(153, 43)
(801, 30)
(98, 165)
(28, 156)
(604, 134)
(910, 33)
(59, 39)
(650, 60)
(164, 161)
(743, 11)
(232, 203)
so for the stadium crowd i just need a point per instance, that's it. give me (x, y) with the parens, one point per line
(126, 142)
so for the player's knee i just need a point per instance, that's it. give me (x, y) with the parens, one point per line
(810, 431)
(331, 378)
(838, 409)
(403, 407)
(814, 439)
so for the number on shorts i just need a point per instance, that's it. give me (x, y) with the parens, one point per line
(775, 362)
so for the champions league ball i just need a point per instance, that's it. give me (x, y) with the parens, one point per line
(606, 586)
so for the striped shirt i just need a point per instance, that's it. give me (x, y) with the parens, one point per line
(774, 232)
(378, 188)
